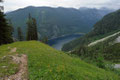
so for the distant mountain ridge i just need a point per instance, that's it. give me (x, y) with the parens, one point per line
(54, 22)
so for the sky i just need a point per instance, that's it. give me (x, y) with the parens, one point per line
(11, 5)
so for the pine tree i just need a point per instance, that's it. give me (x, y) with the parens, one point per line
(20, 35)
(35, 29)
(32, 29)
(29, 28)
(1, 7)
(1, 0)
(5, 30)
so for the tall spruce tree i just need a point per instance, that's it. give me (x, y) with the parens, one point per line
(20, 35)
(35, 29)
(1, 0)
(1, 7)
(5, 30)
(32, 29)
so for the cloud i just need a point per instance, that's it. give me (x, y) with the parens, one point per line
(113, 4)
(15, 4)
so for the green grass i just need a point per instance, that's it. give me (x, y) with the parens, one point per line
(46, 63)
(7, 66)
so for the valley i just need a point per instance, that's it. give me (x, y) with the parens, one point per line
(55, 22)
(58, 43)
(59, 40)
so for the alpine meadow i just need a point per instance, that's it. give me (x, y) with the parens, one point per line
(59, 40)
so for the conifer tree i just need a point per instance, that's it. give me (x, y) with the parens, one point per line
(35, 29)
(0, 0)
(5, 30)
(20, 35)
(32, 29)
(1, 7)
(29, 28)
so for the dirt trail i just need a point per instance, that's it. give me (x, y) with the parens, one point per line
(13, 50)
(22, 73)
(23, 70)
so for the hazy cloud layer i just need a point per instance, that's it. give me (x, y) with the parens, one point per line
(15, 4)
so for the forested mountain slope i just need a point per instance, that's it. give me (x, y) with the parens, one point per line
(103, 39)
(106, 26)
(54, 22)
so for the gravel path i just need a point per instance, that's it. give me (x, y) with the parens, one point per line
(118, 40)
(117, 66)
(22, 73)
(103, 39)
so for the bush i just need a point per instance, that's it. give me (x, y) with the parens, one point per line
(100, 62)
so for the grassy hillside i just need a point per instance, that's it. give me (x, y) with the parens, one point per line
(46, 63)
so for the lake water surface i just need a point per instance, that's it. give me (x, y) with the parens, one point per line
(58, 43)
